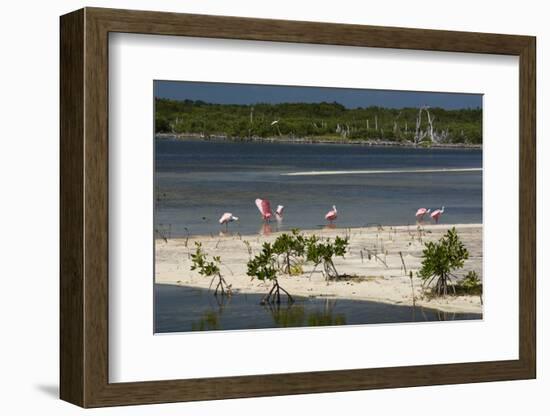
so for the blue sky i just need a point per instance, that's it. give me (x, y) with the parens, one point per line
(223, 93)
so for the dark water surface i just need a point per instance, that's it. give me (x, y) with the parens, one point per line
(182, 309)
(197, 181)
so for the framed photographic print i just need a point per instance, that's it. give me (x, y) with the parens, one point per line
(259, 207)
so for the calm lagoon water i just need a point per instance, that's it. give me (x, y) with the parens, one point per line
(197, 181)
(182, 309)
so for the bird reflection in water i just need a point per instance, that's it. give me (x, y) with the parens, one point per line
(265, 229)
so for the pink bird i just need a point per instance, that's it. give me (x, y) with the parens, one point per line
(226, 218)
(437, 213)
(421, 213)
(279, 211)
(332, 214)
(265, 208)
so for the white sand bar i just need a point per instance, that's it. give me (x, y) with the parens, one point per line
(381, 278)
(379, 172)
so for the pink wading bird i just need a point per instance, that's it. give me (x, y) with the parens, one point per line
(437, 213)
(228, 217)
(421, 213)
(332, 214)
(265, 209)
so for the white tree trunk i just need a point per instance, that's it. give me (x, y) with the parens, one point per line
(418, 133)
(430, 123)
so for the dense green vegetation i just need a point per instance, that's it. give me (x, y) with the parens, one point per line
(331, 121)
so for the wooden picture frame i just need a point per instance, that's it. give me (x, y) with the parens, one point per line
(84, 207)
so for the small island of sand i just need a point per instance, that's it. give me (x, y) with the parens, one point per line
(376, 267)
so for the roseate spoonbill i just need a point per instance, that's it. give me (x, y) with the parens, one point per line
(332, 214)
(437, 213)
(421, 213)
(226, 218)
(265, 209)
(279, 211)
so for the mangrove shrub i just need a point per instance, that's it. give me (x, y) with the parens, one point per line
(440, 260)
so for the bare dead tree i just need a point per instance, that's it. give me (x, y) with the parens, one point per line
(442, 136)
(421, 134)
(430, 123)
(395, 125)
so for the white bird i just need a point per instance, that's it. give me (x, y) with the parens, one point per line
(226, 218)
(279, 211)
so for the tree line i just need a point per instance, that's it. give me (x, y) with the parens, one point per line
(319, 120)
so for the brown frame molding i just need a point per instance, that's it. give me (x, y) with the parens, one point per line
(84, 207)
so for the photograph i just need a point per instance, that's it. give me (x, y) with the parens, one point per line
(279, 206)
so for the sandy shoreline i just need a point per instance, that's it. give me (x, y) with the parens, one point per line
(381, 278)
(317, 140)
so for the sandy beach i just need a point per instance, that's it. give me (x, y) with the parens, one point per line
(380, 278)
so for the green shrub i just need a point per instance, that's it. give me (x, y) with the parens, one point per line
(470, 285)
(290, 247)
(209, 269)
(324, 251)
(264, 267)
(440, 259)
